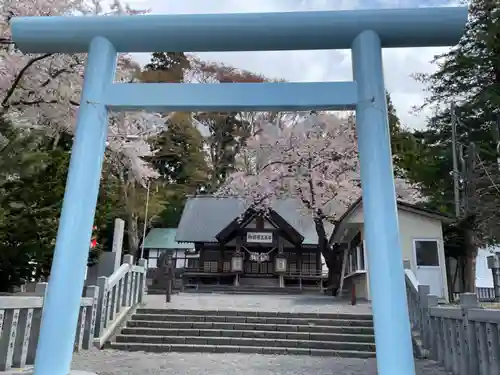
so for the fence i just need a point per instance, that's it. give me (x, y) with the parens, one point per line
(465, 339)
(102, 309)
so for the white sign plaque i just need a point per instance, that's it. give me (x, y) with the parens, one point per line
(259, 237)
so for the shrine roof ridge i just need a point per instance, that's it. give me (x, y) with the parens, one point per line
(417, 27)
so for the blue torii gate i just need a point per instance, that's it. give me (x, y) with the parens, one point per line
(365, 32)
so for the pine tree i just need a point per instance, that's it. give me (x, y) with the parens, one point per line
(32, 184)
(180, 157)
(166, 67)
(468, 76)
(228, 133)
(31, 206)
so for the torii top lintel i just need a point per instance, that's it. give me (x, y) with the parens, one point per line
(419, 27)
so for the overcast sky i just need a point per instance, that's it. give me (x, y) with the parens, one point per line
(299, 66)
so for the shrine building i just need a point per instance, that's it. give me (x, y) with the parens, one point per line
(238, 246)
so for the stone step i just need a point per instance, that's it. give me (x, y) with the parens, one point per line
(265, 314)
(253, 319)
(246, 341)
(249, 289)
(259, 282)
(358, 330)
(276, 335)
(228, 331)
(280, 292)
(273, 350)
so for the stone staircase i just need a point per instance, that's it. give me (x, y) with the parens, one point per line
(162, 330)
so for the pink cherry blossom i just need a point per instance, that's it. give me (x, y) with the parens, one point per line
(314, 160)
(43, 91)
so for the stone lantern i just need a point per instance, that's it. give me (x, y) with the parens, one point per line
(237, 262)
(280, 264)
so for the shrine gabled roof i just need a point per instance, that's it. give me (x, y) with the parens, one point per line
(205, 216)
(289, 232)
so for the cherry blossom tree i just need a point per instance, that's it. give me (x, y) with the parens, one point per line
(225, 132)
(43, 91)
(314, 161)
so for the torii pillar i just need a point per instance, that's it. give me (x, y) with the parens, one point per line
(365, 32)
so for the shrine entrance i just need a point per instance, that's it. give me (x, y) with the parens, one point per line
(259, 251)
(364, 32)
(259, 262)
(253, 250)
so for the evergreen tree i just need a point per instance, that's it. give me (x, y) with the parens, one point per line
(468, 76)
(228, 133)
(180, 157)
(166, 67)
(181, 161)
(33, 177)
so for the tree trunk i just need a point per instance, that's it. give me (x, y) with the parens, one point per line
(470, 262)
(132, 228)
(330, 283)
(132, 232)
(462, 261)
(56, 140)
(334, 269)
(332, 256)
(452, 276)
(455, 275)
(470, 274)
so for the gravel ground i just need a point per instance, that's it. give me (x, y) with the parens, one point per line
(110, 362)
(244, 302)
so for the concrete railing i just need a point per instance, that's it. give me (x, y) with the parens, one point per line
(118, 295)
(20, 319)
(102, 310)
(465, 339)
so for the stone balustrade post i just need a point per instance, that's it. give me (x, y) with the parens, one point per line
(91, 316)
(23, 337)
(409, 297)
(36, 321)
(127, 259)
(10, 319)
(80, 328)
(142, 281)
(102, 306)
(431, 337)
(407, 264)
(469, 361)
(423, 302)
(423, 292)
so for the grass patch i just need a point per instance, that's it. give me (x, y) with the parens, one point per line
(495, 306)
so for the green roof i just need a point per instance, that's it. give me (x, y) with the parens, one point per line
(164, 238)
